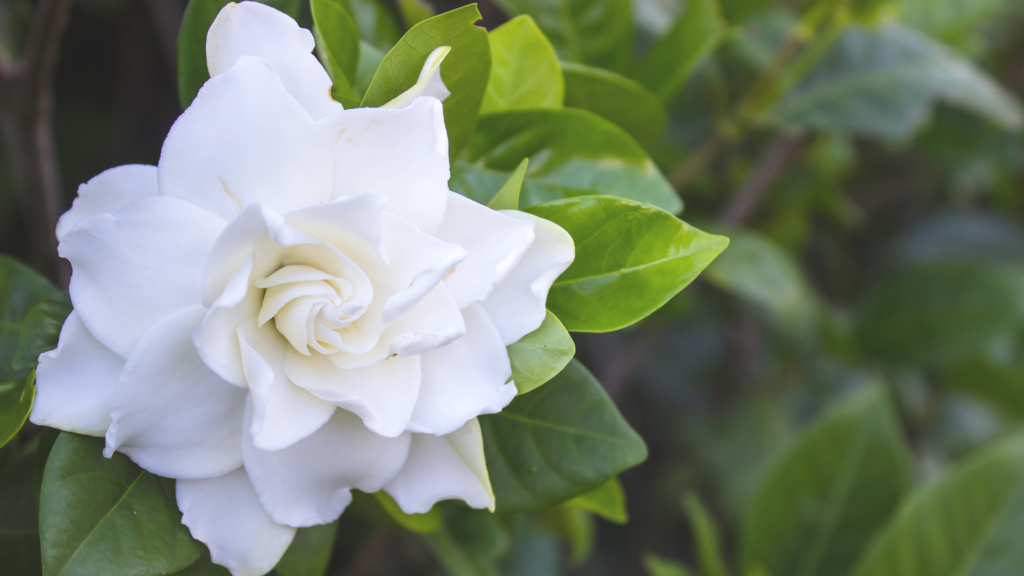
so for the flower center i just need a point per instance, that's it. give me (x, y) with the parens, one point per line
(310, 307)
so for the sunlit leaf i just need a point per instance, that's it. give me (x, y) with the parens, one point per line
(631, 258)
(524, 69)
(607, 501)
(541, 354)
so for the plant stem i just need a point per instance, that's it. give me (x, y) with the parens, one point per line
(27, 102)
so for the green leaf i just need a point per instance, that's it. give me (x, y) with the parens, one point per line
(376, 23)
(15, 404)
(576, 526)
(541, 354)
(965, 522)
(572, 153)
(507, 197)
(622, 101)
(758, 270)
(464, 71)
(696, 34)
(524, 69)
(818, 508)
(41, 330)
(415, 11)
(607, 501)
(108, 516)
(883, 82)
(195, 23)
(369, 60)
(204, 566)
(594, 32)
(19, 533)
(1002, 385)
(658, 566)
(563, 440)
(310, 551)
(340, 38)
(941, 312)
(21, 288)
(471, 543)
(426, 523)
(708, 551)
(631, 258)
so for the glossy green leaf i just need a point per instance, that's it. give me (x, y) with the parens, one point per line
(696, 34)
(758, 270)
(558, 442)
(15, 404)
(507, 197)
(426, 523)
(572, 153)
(19, 532)
(310, 551)
(607, 501)
(340, 39)
(618, 99)
(21, 288)
(883, 82)
(524, 69)
(464, 71)
(658, 566)
(631, 258)
(941, 312)
(415, 11)
(41, 330)
(830, 492)
(541, 354)
(377, 25)
(594, 32)
(966, 522)
(199, 15)
(108, 516)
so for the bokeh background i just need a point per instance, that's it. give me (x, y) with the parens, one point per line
(865, 252)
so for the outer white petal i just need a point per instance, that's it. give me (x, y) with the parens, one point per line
(171, 414)
(308, 483)
(442, 468)
(283, 413)
(136, 266)
(464, 379)
(224, 514)
(428, 84)
(215, 338)
(401, 153)
(383, 395)
(108, 192)
(244, 139)
(494, 244)
(75, 383)
(254, 29)
(517, 305)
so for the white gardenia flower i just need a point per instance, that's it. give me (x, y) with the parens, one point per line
(293, 304)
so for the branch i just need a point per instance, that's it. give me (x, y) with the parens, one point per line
(778, 155)
(27, 102)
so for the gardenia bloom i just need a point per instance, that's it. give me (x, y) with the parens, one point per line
(293, 304)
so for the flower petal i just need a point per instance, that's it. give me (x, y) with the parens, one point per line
(494, 243)
(254, 29)
(171, 414)
(517, 305)
(429, 82)
(136, 266)
(75, 383)
(442, 468)
(434, 323)
(216, 339)
(283, 413)
(108, 192)
(464, 379)
(402, 153)
(308, 483)
(244, 139)
(225, 514)
(383, 395)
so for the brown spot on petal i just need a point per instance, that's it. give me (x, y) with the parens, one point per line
(449, 273)
(224, 185)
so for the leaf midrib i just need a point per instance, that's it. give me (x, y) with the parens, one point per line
(560, 428)
(630, 269)
(100, 522)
